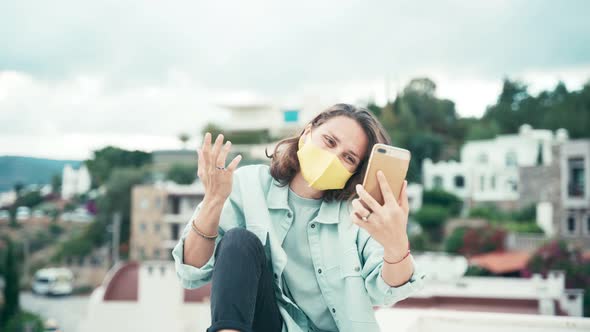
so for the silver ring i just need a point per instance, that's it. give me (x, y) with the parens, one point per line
(365, 218)
(221, 168)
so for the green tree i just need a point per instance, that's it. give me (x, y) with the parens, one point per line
(454, 242)
(443, 199)
(56, 184)
(184, 137)
(213, 129)
(182, 174)
(432, 218)
(29, 199)
(24, 321)
(12, 283)
(118, 199)
(107, 159)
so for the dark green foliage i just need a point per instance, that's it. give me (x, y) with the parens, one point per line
(107, 159)
(12, 283)
(182, 174)
(443, 199)
(24, 321)
(432, 218)
(454, 242)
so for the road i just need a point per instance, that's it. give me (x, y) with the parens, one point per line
(68, 311)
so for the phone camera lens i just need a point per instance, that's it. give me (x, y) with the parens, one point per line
(381, 150)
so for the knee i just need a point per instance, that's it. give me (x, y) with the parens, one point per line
(241, 240)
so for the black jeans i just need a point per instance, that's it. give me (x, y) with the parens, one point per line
(242, 293)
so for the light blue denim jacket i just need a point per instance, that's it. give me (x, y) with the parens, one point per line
(349, 259)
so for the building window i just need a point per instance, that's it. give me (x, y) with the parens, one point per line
(142, 227)
(493, 182)
(483, 158)
(157, 253)
(459, 181)
(437, 182)
(174, 205)
(291, 116)
(588, 225)
(512, 185)
(141, 253)
(175, 231)
(575, 185)
(157, 228)
(482, 181)
(144, 203)
(511, 159)
(571, 224)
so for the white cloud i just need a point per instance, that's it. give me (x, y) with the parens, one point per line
(68, 118)
(75, 76)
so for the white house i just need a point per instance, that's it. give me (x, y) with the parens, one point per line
(488, 170)
(74, 181)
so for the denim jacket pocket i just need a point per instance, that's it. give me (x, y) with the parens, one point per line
(359, 307)
(350, 265)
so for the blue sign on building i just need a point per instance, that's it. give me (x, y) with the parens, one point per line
(291, 116)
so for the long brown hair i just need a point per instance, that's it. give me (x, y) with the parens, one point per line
(284, 163)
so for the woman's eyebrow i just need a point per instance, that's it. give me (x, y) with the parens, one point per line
(338, 141)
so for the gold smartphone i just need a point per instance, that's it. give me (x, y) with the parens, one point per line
(394, 163)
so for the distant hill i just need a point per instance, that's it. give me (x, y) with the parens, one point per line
(28, 170)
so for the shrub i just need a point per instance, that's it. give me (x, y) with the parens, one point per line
(23, 319)
(444, 199)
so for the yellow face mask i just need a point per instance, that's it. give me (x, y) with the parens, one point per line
(321, 169)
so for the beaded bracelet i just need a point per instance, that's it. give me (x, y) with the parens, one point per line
(208, 237)
(406, 255)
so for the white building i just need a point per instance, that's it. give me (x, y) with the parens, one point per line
(74, 181)
(252, 113)
(414, 192)
(488, 170)
(148, 296)
(575, 189)
(7, 198)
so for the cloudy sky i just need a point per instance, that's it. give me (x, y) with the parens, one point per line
(78, 75)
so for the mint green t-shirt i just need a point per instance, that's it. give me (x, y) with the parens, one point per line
(300, 281)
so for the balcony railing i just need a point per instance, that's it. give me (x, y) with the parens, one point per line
(575, 189)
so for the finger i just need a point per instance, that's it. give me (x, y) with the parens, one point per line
(369, 227)
(223, 154)
(404, 197)
(216, 148)
(358, 221)
(207, 150)
(359, 208)
(367, 198)
(386, 192)
(200, 162)
(234, 163)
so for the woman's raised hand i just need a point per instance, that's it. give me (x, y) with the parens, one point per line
(217, 179)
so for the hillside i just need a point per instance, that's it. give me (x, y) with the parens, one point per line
(29, 170)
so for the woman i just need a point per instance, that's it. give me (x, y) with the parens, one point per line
(299, 245)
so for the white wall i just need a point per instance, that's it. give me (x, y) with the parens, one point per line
(74, 181)
(490, 167)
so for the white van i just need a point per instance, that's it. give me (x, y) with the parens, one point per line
(53, 281)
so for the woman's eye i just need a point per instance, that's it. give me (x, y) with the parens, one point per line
(330, 141)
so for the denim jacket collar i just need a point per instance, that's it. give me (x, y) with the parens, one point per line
(276, 198)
